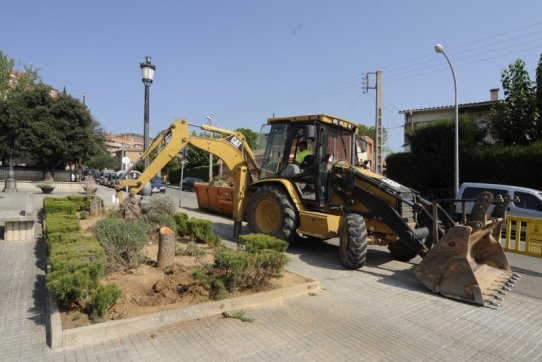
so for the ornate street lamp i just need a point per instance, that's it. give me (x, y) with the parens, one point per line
(147, 75)
(440, 49)
(10, 183)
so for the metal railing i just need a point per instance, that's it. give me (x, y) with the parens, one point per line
(522, 236)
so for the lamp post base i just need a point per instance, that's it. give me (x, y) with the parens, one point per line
(10, 184)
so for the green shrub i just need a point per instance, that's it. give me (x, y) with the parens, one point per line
(121, 240)
(81, 202)
(77, 261)
(103, 299)
(215, 286)
(193, 250)
(157, 219)
(181, 220)
(58, 206)
(218, 290)
(161, 203)
(113, 213)
(245, 270)
(202, 231)
(83, 214)
(59, 223)
(201, 172)
(238, 268)
(56, 240)
(70, 287)
(204, 274)
(85, 252)
(268, 264)
(257, 242)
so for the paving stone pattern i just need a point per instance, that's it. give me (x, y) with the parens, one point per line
(380, 313)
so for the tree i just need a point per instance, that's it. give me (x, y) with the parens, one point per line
(52, 130)
(6, 70)
(371, 132)
(250, 136)
(515, 120)
(12, 81)
(103, 160)
(539, 87)
(12, 122)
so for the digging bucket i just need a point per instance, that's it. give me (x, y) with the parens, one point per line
(468, 264)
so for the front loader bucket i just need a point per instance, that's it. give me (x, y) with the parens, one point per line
(468, 263)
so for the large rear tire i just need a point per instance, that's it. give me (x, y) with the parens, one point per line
(271, 211)
(353, 242)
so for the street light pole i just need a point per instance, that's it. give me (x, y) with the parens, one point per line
(440, 49)
(147, 75)
(10, 184)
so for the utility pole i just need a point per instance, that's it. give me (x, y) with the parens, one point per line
(379, 131)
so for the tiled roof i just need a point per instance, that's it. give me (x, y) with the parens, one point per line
(464, 105)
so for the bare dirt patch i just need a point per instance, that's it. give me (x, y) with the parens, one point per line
(147, 289)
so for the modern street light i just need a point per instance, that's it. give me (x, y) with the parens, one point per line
(147, 75)
(440, 49)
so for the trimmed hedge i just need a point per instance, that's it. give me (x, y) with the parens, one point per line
(82, 202)
(201, 172)
(61, 223)
(202, 231)
(263, 258)
(77, 261)
(181, 219)
(430, 165)
(255, 243)
(58, 206)
(103, 299)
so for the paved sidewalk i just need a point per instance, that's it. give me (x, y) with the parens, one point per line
(380, 313)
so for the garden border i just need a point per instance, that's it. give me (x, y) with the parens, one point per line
(101, 332)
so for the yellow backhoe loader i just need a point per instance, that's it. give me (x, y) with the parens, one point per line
(304, 179)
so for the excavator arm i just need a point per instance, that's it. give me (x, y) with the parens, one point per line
(233, 149)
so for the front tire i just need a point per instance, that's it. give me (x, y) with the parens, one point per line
(271, 211)
(353, 242)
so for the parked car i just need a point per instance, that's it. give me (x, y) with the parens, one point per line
(104, 176)
(157, 185)
(90, 173)
(188, 183)
(529, 204)
(110, 179)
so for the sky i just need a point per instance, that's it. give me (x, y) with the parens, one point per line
(244, 61)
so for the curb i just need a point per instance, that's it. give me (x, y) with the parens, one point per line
(101, 332)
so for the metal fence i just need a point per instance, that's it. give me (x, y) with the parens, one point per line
(523, 236)
(25, 174)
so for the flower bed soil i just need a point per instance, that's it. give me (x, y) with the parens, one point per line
(147, 289)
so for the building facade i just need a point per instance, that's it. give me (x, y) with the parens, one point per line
(478, 111)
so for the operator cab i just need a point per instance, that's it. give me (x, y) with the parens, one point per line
(303, 150)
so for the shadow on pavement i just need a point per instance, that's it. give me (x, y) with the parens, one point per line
(38, 311)
(402, 277)
(526, 272)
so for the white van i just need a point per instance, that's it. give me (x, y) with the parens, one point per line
(529, 204)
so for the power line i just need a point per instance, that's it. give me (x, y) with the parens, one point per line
(350, 84)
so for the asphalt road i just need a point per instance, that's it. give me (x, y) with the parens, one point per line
(530, 268)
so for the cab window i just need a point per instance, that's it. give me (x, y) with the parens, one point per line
(473, 192)
(528, 201)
